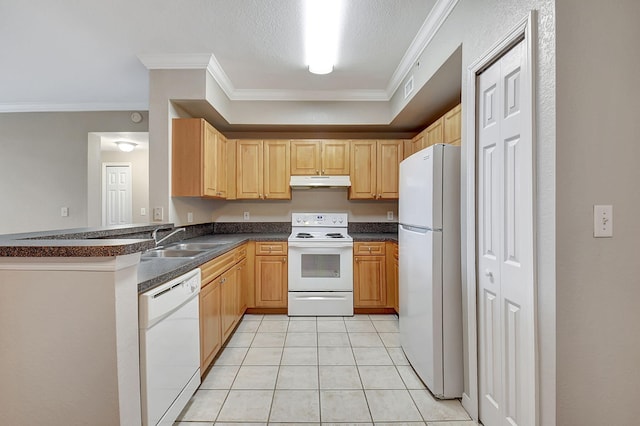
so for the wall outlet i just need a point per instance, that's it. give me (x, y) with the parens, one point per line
(247, 216)
(602, 221)
(143, 211)
(390, 215)
(189, 217)
(158, 213)
(64, 211)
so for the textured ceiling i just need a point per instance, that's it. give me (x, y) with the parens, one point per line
(83, 55)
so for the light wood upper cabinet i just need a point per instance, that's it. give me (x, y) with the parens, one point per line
(435, 132)
(375, 169)
(199, 159)
(445, 129)
(319, 157)
(389, 156)
(363, 170)
(263, 169)
(452, 126)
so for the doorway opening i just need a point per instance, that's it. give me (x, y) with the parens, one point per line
(104, 151)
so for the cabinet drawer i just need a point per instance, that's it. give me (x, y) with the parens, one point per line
(217, 266)
(241, 252)
(273, 247)
(360, 248)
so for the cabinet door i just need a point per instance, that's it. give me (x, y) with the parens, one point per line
(452, 126)
(242, 283)
(229, 301)
(210, 161)
(363, 170)
(418, 143)
(434, 133)
(369, 281)
(210, 325)
(271, 281)
(221, 165)
(277, 170)
(249, 169)
(335, 157)
(305, 157)
(389, 156)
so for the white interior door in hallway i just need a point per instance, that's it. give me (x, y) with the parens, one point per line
(506, 296)
(117, 209)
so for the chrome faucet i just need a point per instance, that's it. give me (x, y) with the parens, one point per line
(154, 235)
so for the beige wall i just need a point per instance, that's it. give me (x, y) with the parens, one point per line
(598, 280)
(43, 166)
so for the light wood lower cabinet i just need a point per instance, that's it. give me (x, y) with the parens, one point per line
(230, 298)
(393, 300)
(210, 324)
(222, 301)
(271, 273)
(369, 275)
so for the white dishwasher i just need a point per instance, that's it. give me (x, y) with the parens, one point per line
(169, 348)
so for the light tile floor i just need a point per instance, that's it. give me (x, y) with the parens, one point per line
(316, 371)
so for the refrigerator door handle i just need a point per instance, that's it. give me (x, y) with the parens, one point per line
(419, 229)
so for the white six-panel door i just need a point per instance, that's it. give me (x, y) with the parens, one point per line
(506, 316)
(118, 209)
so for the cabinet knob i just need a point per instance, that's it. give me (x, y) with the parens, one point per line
(266, 196)
(317, 172)
(323, 171)
(357, 260)
(369, 248)
(259, 195)
(284, 259)
(379, 195)
(373, 195)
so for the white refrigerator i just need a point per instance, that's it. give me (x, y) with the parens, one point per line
(429, 256)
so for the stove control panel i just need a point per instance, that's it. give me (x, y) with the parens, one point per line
(319, 219)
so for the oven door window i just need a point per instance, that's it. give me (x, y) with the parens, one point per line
(320, 265)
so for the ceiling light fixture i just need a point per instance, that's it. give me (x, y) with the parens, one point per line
(125, 146)
(322, 32)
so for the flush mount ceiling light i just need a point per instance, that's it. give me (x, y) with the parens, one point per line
(125, 146)
(322, 34)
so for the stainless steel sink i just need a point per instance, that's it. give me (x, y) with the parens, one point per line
(172, 253)
(196, 246)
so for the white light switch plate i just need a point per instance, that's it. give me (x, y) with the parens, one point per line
(389, 215)
(64, 211)
(246, 216)
(157, 213)
(602, 221)
(189, 217)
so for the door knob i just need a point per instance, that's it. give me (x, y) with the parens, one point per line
(488, 273)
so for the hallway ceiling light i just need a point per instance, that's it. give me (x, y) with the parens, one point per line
(125, 146)
(322, 34)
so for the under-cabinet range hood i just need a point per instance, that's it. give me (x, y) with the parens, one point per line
(301, 182)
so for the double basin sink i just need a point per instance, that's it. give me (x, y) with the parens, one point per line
(182, 250)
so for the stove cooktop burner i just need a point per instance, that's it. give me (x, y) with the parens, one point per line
(304, 235)
(334, 235)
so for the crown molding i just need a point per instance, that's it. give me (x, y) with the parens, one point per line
(441, 10)
(173, 61)
(309, 95)
(72, 107)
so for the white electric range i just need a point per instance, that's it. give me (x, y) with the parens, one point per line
(320, 265)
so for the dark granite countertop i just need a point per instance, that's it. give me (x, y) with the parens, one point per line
(155, 271)
(80, 242)
(374, 236)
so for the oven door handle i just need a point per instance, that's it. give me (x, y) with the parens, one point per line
(320, 244)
